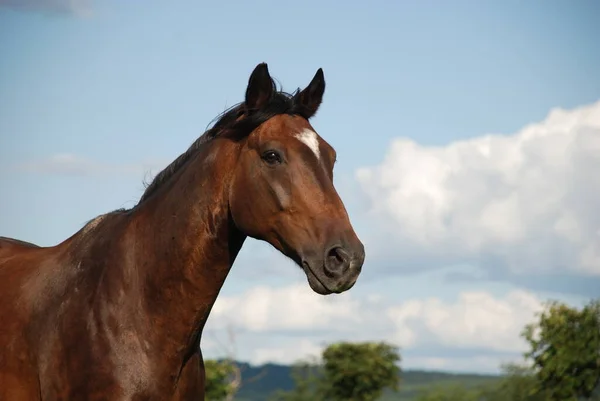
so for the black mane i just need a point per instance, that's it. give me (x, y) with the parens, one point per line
(235, 123)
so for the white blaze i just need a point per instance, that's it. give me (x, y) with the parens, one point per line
(309, 138)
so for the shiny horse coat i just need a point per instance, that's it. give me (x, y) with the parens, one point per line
(116, 311)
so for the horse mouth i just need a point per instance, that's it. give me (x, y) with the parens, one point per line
(315, 282)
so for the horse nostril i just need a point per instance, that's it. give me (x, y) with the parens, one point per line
(335, 256)
(336, 261)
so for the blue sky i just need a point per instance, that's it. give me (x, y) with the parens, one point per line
(95, 97)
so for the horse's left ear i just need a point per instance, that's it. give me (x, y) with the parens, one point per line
(311, 97)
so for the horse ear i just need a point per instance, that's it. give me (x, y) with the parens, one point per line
(311, 97)
(260, 88)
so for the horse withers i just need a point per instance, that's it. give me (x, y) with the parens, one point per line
(116, 311)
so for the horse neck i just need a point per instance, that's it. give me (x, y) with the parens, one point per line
(185, 244)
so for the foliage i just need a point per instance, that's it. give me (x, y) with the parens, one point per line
(359, 371)
(218, 387)
(350, 371)
(565, 350)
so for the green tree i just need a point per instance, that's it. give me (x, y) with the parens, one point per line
(217, 385)
(359, 371)
(565, 350)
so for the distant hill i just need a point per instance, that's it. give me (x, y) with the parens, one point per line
(259, 382)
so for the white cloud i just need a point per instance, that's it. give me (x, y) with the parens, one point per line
(301, 349)
(474, 320)
(289, 323)
(293, 307)
(526, 202)
(70, 164)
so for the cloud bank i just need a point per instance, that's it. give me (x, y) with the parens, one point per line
(525, 203)
(431, 333)
(476, 319)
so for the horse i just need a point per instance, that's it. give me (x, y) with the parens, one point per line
(117, 310)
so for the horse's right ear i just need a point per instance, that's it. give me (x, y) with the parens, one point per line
(260, 88)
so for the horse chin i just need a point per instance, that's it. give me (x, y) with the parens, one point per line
(314, 282)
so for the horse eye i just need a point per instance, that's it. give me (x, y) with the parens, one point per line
(271, 157)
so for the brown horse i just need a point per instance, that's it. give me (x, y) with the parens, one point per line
(116, 311)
